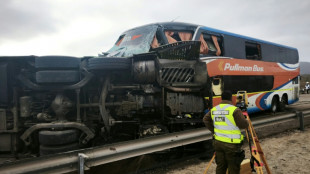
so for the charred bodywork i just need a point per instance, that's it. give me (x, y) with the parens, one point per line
(52, 104)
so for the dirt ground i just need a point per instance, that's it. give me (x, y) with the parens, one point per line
(286, 153)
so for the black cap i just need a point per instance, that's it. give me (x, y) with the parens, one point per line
(226, 95)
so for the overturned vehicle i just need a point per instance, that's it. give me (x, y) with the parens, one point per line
(150, 82)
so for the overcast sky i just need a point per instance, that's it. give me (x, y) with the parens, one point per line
(86, 28)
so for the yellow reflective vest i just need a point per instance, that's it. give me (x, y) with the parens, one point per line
(225, 128)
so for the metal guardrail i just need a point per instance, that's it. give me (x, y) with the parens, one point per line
(85, 158)
(66, 162)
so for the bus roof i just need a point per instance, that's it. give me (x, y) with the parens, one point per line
(244, 37)
(181, 24)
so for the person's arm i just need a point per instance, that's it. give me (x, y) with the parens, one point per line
(208, 122)
(240, 120)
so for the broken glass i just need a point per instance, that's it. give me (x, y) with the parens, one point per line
(135, 41)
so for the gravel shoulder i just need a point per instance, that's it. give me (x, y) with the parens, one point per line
(288, 152)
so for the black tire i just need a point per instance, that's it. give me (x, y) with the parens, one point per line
(63, 137)
(46, 150)
(57, 76)
(274, 104)
(283, 103)
(109, 63)
(57, 62)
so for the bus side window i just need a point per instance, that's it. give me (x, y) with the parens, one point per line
(119, 40)
(155, 43)
(295, 80)
(217, 46)
(217, 86)
(203, 46)
(253, 51)
(213, 44)
(158, 40)
(175, 36)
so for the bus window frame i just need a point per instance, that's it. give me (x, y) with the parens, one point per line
(221, 36)
(177, 30)
(160, 36)
(160, 33)
(250, 44)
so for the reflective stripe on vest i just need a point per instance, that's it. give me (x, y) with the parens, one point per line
(225, 128)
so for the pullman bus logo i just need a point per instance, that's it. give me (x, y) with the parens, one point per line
(237, 67)
(221, 66)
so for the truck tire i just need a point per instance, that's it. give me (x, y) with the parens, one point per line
(46, 150)
(57, 76)
(109, 63)
(52, 138)
(57, 62)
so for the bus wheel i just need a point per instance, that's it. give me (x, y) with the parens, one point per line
(274, 104)
(283, 103)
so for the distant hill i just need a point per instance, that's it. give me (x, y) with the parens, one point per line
(304, 67)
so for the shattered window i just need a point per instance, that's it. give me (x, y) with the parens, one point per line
(175, 36)
(155, 42)
(158, 40)
(135, 41)
(211, 45)
(118, 42)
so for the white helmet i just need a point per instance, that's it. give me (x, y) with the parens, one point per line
(307, 82)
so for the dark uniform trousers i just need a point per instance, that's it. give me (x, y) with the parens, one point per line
(227, 157)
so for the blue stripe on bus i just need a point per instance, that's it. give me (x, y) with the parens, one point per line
(244, 37)
(253, 110)
(287, 66)
(262, 103)
(293, 101)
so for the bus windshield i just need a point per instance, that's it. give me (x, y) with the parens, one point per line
(134, 41)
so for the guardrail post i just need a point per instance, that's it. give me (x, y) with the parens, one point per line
(81, 162)
(300, 116)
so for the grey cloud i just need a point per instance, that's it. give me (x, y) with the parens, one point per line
(24, 19)
(280, 21)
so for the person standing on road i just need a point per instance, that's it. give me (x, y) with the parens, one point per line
(307, 86)
(225, 122)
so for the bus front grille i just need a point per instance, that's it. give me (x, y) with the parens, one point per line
(177, 75)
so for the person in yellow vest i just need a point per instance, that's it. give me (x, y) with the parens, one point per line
(225, 121)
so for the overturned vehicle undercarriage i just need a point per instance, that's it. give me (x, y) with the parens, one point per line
(51, 104)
